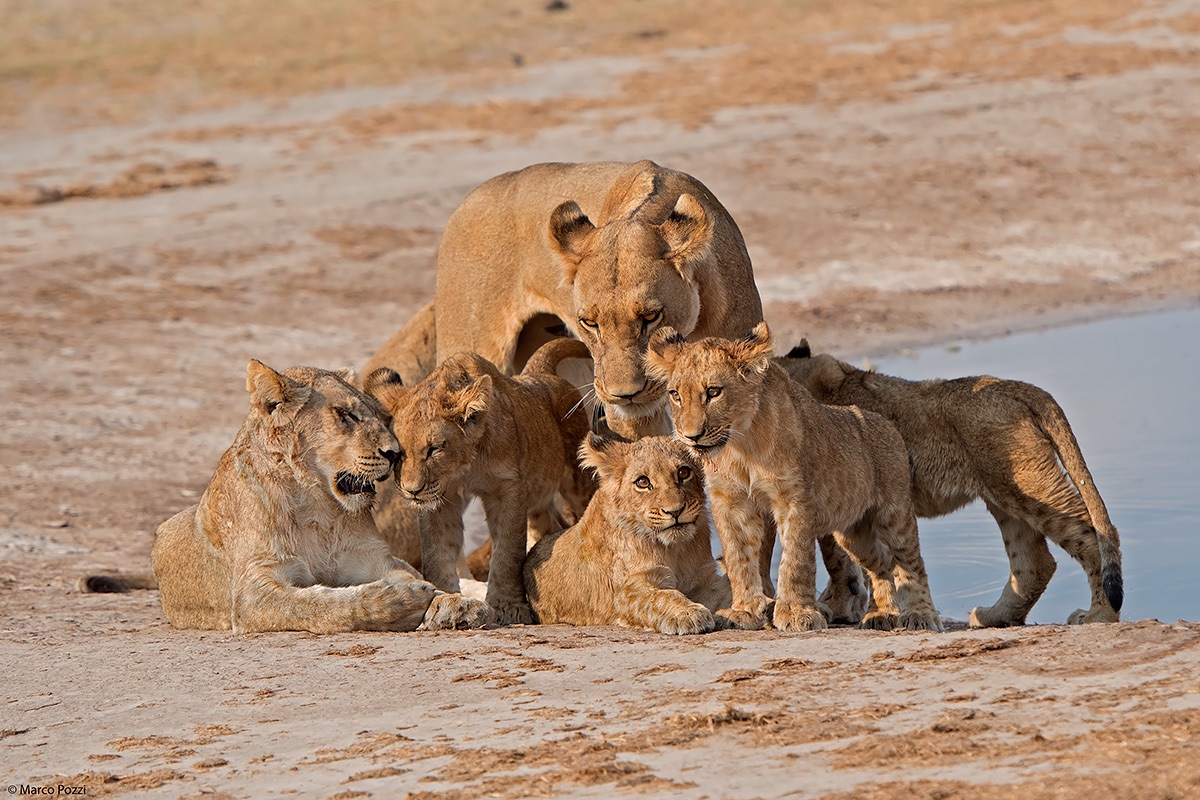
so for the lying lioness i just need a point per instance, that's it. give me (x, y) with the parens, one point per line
(1006, 442)
(282, 538)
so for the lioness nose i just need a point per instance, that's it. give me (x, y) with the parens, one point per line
(694, 437)
(413, 492)
(390, 455)
(628, 393)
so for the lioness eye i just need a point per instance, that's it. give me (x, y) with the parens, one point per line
(347, 415)
(652, 317)
(642, 482)
(685, 473)
(714, 391)
(431, 450)
(673, 394)
(588, 323)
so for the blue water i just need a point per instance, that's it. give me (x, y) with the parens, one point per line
(1131, 389)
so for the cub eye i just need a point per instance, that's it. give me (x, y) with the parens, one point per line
(684, 473)
(713, 391)
(590, 324)
(429, 451)
(651, 317)
(674, 395)
(347, 415)
(642, 483)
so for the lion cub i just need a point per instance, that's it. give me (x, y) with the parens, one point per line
(467, 430)
(768, 445)
(641, 555)
(282, 538)
(1006, 442)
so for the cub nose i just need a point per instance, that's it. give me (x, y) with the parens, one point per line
(694, 437)
(390, 455)
(674, 512)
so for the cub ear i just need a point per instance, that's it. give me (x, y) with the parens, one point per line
(602, 455)
(801, 350)
(387, 386)
(662, 351)
(272, 393)
(472, 402)
(688, 232)
(753, 351)
(570, 236)
(347, 374)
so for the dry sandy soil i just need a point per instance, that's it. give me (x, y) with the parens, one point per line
(183, 190)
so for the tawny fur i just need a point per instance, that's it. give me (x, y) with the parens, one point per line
(641, 556)
(469, 431)
(820, 471)
(627, 247)
(1002, 441)
(282, 538)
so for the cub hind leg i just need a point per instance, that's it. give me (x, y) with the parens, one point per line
(1030, 568)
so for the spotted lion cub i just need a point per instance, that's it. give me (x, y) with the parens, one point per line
(469, 431)
(641, 556)
(768, 445)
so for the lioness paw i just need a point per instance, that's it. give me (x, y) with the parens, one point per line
(451, 611)
(879, 621)
(389, 606)
(514, 614)
(789, 617)
(1081, 617)
(694, 619)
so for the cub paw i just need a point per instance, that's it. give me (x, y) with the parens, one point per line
(1081, 617)
(451, 611)
(741, 620)
(789, 617)
(694, 619)
(991, 618)
(513, 614)
(920, 621)
(878, 621)
(840, 606)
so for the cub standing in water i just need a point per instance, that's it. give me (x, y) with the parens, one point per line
(768, 445)
(1001, 441)
(641, 555)
(467, 430)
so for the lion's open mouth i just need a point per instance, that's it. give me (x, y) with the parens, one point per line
(349, 483)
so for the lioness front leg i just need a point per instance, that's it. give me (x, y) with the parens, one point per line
(795, 599)
(649, 600)
(261, 602)
(507, 518)
(740, 527)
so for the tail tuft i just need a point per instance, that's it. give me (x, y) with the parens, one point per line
(1114, 588)
(102, 584)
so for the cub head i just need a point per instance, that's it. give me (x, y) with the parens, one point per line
(628, 277)
(713, 384)
(326, 427)
(439, 424)
(655, 485)
(822, 374)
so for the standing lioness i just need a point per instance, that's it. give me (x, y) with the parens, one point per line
(282, 538)
(611, 250)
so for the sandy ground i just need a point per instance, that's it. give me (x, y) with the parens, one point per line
(180, 194)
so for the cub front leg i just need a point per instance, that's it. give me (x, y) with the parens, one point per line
(507, 517)
(650, 600)
(740, 526)
(450, 611)
(795, 603)
(442, 542)
(263, 602)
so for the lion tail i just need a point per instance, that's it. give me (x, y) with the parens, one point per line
(1053, 422)
(547, 358)
(116, 584)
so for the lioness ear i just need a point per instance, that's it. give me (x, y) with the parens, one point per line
(662, 351)
(601, 454)
(753, 351)
(473, 400)
(570, 235)
(688, 233)
(387, 386)
(801, 350)
(271, 392)
(347, 374)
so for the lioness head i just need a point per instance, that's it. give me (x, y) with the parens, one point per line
(655, 484)
(713, 384)
(439, 424)
(326, 426)
(629, 277)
